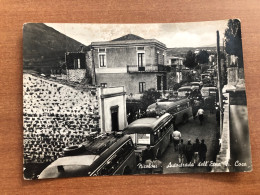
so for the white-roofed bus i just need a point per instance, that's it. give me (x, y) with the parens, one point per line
(180, 109)
(105, 155)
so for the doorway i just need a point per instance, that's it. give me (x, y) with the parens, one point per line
(114, 118)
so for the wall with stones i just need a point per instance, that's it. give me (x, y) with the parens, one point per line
(76, 75)
(55, 116)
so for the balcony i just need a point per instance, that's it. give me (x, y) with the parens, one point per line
(147, 68)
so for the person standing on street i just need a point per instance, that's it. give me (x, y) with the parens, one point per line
(158, 166)
(188, 151)
(217, 115)
(196, 148)
(176, 135)
(181, 147)
(202, 151)
(147, 154)
(200, 114)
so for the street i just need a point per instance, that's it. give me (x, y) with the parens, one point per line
(192, 130)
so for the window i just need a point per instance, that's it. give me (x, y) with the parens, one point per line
(104, 85)
(102, 60)
(117, 159)
(101, 50)
(141, 87)
(76, 63)
(140, 48)
(141, 138)
(163, 59)
(140, 59)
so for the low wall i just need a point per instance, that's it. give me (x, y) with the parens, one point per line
(223, 157)
(55, 116)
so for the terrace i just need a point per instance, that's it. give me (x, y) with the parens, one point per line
(147, 68)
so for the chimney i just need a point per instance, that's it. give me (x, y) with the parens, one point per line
(81, 48)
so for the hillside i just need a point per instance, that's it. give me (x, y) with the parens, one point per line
(44, 47)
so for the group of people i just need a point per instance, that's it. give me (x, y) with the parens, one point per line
(149, 158)
(196, 151)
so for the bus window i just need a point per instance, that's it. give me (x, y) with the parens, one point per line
(141, 138)
(156, 136)
(117, 159)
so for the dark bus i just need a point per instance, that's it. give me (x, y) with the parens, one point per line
(152, 131)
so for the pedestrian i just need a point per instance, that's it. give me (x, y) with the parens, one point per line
(196, 148)
(158, 166)
(217, 115)
(176, 135)
(188, 151)
(202, 151)
(147, 154)
(181, 147)
(200, 114)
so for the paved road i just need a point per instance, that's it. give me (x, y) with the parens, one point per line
(192, 130)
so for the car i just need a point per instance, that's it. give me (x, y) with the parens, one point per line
(195, 85)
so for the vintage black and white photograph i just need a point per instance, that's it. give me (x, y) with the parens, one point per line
(131, 99)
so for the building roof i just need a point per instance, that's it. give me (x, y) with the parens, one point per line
(128, 37)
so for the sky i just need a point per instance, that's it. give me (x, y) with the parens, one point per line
(193, 34)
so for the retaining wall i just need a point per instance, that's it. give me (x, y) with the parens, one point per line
(56, 116)
(223, 157)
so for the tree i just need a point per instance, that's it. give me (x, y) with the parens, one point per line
(190, 60)
(149, 97)
(202, 57)
(233, 42)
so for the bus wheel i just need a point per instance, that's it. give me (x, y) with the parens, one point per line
(185, 118)
(127, 171)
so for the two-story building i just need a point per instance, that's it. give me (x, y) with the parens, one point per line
(176, 64)
(133, 62)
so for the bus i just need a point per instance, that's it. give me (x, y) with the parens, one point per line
(209, 95)
(207, 92)
(151, 131)
(105, 155)
(181, 110)
(203, 76)
(185, 91)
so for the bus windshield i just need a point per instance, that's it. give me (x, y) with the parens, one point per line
(143, 139)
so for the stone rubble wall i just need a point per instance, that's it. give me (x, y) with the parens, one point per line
(55, 116)
(76, 75)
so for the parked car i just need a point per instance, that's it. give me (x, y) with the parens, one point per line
(196, 85)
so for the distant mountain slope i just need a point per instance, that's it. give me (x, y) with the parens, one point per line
(44, 47)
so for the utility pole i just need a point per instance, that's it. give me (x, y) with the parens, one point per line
(219, 85)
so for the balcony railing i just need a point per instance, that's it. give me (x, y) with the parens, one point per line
(147, 68)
